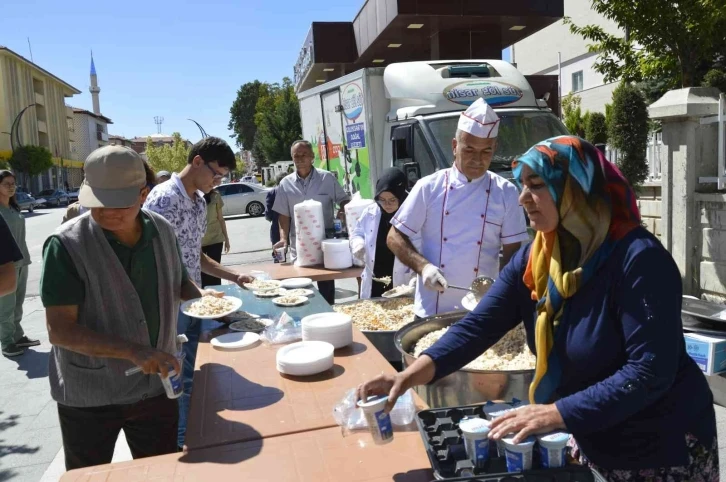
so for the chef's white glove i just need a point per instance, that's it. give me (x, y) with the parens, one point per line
(434, 279)
(413, 282)
(358, 248)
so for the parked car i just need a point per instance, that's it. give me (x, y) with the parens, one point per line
(54, 197)
(26, 201)
(243, 198)
(250, 180)
(73, 195)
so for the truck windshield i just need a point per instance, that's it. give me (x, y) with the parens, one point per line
(518, 131)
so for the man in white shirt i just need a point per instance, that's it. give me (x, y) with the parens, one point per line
(464, 215)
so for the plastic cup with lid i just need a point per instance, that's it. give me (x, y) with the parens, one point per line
(476, 440)
(379, 422)
(519, 456)
(553, 449)
(173, 383)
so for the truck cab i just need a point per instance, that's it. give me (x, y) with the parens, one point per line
(423, 118)
(406, 115)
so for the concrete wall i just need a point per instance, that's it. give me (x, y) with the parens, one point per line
(711, 239)
(649, 203)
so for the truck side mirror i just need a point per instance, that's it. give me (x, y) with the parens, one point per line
(413, 172)
(402, 142)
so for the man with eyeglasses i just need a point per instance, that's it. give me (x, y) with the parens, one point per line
(181, 201)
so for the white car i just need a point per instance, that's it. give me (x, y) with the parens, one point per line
(243, 198)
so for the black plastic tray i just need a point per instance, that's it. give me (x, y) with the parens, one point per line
(572, 473)
(439, 429)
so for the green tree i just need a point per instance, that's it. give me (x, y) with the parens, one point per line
(242, 113)
(671, 41)
(165, 157)
(629, 132)
(31, 160)
(715, 78)
(572, 115)
(278, 123)
(596, 128)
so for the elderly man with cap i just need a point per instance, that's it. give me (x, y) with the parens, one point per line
(464, 217)
(112, 281)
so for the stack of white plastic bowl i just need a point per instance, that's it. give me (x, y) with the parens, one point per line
(333, 328)
(305, 358)
(336, 254)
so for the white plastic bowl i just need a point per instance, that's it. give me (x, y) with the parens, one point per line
(305, 358)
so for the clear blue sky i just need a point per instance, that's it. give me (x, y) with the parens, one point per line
(176, 59)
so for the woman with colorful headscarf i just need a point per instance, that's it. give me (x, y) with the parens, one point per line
(600, 299)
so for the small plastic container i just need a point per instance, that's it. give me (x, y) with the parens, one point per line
(476, 440)
(519, 456)
(173, 384)
(379, 422)
(280, 254)
(553, 449)
(498, 445)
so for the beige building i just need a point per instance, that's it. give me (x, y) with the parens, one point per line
(47, 123)
(538, 54)
(119, 141)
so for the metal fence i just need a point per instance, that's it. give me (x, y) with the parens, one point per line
(654, 154)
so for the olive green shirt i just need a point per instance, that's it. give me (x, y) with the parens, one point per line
(214, 233)
(61, 285)
(16, 222)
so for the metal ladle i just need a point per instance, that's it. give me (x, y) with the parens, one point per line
(479, 286)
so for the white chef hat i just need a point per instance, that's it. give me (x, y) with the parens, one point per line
(480, 120)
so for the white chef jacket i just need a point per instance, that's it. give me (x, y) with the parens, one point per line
(367, 230)
(462, 226)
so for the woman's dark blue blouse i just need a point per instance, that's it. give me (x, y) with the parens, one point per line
(629, 392)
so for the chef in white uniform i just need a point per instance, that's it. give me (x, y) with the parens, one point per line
(464, 216)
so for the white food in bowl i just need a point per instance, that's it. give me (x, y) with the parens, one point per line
(210, 306)
(509, 353)
(389, 315)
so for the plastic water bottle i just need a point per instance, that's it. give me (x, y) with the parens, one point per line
(338, 225)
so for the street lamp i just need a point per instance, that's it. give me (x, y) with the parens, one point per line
(201, 129)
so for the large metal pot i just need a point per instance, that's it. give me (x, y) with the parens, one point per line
(465, 386)
(382, 340)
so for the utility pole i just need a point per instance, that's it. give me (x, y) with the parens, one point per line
(158, 120)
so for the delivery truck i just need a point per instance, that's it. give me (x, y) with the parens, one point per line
(405, 115)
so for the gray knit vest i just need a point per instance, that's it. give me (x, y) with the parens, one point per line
(112, 307)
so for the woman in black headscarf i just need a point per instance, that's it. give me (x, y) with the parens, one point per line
(368, 241)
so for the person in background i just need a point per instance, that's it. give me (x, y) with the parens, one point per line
(162, 176)
(465, 216)
(9, 255)
(272, 215)
(75, 209)
(305, 183)
(111, 284)
(180, 200)
(600, 299)
(12, 337)
(215, 238)
(368, 240)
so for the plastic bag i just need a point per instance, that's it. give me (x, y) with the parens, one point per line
(309, 233)
(353, 211)
(282, 330)
(347, 414)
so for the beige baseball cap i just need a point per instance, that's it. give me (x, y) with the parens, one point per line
(114, 176)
